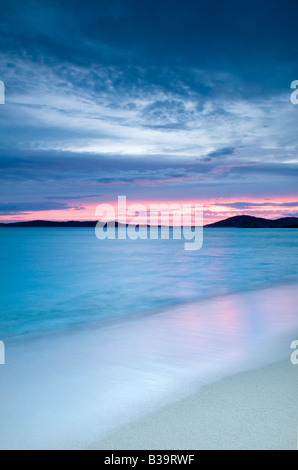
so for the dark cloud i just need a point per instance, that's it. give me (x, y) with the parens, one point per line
(251, 205)
(167, 113)
(150, 39)
(85, 169)
(290, 214)
(72, 197)
(219, 153)
(10, 209)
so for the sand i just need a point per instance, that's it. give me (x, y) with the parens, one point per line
(252, 410)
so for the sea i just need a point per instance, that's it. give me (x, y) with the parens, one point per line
(99, 333)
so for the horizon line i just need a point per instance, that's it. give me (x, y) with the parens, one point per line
(91, 221)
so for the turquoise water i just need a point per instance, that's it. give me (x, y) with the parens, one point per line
(53, 279)
(100, 333)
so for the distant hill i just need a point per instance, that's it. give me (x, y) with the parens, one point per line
(247, 221)
(48, 223)
(240, 221)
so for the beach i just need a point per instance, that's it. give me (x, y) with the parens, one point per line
(257, 409)
(146, 345)
(181, 376)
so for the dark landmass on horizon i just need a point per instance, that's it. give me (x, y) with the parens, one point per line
(247, 221)
(239, 221)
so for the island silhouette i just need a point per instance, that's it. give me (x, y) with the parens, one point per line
(239, 221)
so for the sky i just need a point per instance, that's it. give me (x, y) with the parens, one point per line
(158, 101)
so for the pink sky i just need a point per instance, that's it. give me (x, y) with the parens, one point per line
(214, 210)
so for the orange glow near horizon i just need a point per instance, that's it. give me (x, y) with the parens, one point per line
(214, 209)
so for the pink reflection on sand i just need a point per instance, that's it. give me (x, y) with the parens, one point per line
(234, 326)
